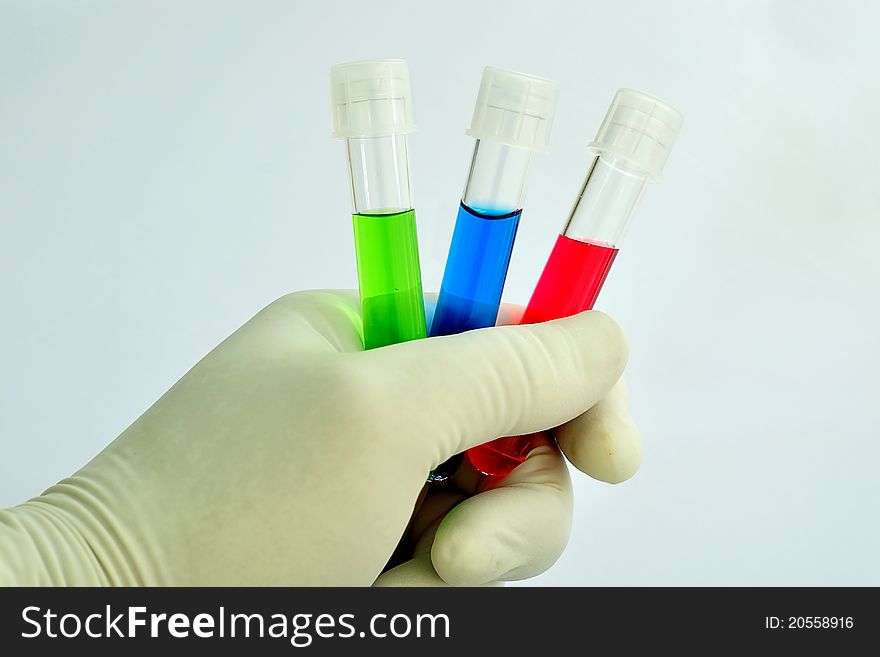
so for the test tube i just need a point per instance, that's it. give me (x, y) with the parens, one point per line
(373, 112)
(631, 148)
(511, 121)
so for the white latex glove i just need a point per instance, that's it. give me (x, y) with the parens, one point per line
(289, 456)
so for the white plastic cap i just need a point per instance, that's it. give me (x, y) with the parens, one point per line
(371, 98)
(640, 130)
(514, 109)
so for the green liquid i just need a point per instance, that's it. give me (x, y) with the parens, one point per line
(389, 278)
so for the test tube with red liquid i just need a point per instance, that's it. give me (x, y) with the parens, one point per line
(631, 148)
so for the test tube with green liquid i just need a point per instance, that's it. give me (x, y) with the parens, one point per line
(373, 112)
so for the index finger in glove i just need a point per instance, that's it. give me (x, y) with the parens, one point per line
(604, 442)
(462, 390)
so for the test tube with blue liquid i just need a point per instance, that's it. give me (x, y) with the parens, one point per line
(511, 121)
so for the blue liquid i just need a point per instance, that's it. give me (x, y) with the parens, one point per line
(475, 271)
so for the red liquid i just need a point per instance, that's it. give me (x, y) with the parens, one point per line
(571, 281)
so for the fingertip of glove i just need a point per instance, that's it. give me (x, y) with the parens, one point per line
(464, 563)
(607, 458)
(606, 333)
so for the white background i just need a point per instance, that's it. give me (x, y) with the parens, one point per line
(166, 170)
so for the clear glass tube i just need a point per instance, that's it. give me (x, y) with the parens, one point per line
(606, 203)
(386, 243)
(496, 180)
(379, 172)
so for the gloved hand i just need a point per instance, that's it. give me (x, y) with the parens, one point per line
(289, 456)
